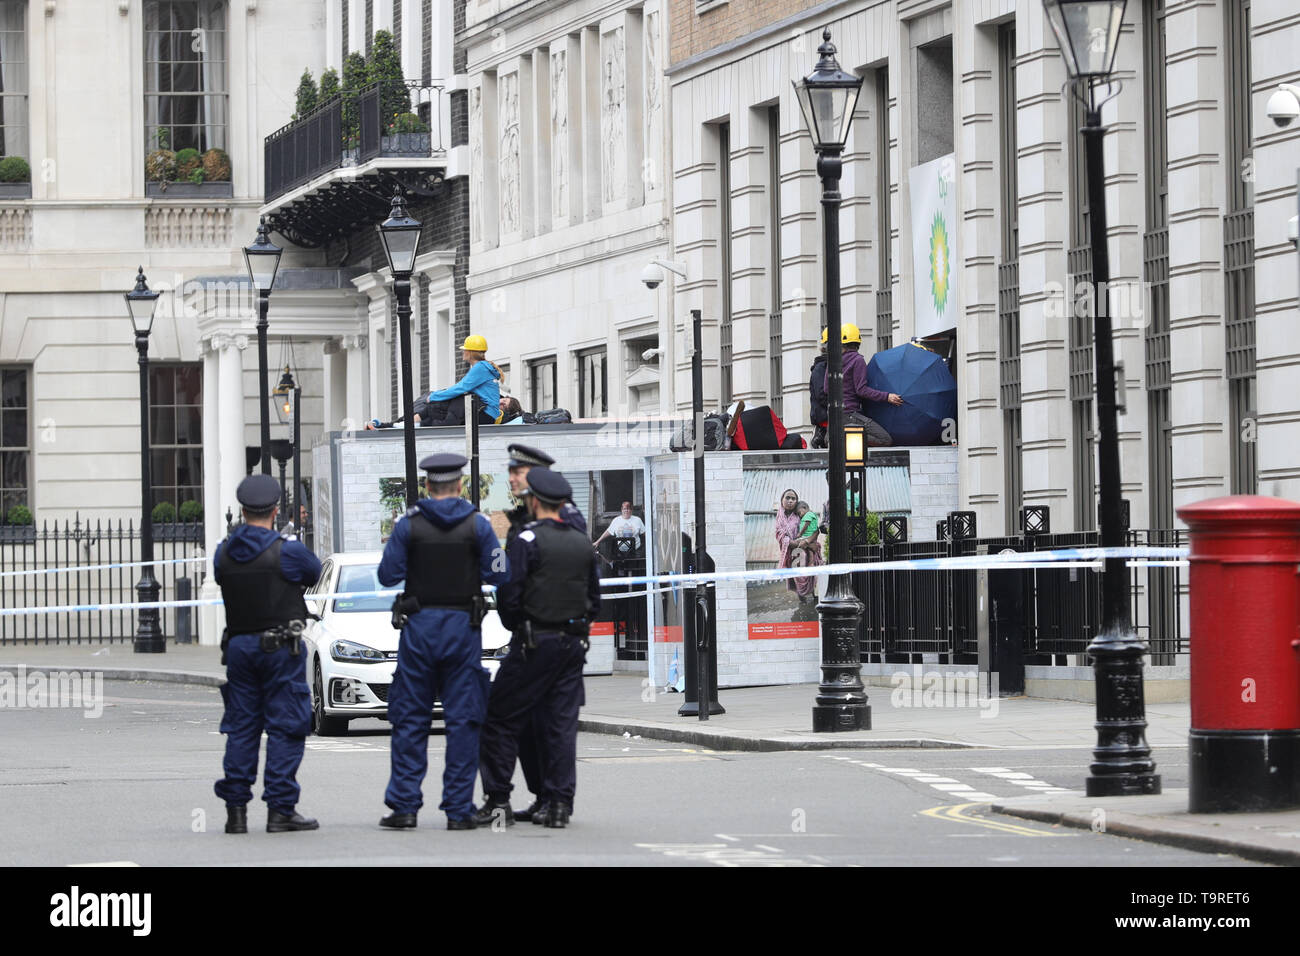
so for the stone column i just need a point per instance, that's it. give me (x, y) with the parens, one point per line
(751, 252)
(1044, 188)
(357, 380)
(1199, 391)
(975, 62)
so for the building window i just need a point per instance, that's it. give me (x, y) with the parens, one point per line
(934, 95)
(13, 79)
(185, 85)
(541, 383)
(176, 433)
(592, 395)
(15, 439)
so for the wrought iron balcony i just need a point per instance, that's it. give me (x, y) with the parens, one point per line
(328, 173)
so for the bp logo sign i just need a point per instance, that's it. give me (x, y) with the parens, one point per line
(933, 245)
(939, 263)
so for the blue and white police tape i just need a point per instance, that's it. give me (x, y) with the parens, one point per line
(1136, 557)
(1036, 560)
(75, 569)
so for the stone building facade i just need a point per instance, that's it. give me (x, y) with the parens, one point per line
(1200, 185)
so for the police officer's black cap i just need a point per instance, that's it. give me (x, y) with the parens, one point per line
(524, 456)
(446, 467)
(549, 487)
(258, 493)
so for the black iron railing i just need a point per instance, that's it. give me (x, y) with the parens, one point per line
(79, 544)
(351, 129)
(1058, 610)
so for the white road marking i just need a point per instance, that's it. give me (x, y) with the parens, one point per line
(723, 836)
(109, 863)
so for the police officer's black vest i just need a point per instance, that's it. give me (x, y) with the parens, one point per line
(442, 564)
(556, 588)
(257, 595)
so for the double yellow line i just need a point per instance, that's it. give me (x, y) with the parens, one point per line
(957, 814)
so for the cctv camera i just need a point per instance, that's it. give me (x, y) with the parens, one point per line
(1284, 106)
(652, 275)
(649, 354)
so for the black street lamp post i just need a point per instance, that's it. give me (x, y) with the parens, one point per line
(140, 302)
(827, 97)
(262, 259)
(401, 237)
(1088, 34)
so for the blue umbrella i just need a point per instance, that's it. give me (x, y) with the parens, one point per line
(928, 390)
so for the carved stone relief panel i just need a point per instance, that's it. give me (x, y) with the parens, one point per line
(613, 116)
(476, 163)
(559, 135)
(509, 153)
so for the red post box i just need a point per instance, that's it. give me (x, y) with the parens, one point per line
(1245, 650)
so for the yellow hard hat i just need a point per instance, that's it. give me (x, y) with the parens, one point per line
(475, 343)
(824, 336)
(849, 333)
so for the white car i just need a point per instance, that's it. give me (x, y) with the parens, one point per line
(352, 650)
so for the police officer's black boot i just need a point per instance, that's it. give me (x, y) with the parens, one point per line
(495, 812)
(277, 822)
(399, 821)
(557, 815)
(530, 813)
(236, 819)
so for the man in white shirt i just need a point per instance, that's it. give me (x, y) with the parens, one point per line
(627, 527)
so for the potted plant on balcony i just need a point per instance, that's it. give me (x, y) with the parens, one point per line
(15, 178)
(186, 173)
(405, 135)
(19, 526)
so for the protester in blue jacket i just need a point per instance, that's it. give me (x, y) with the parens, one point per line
(483, 379)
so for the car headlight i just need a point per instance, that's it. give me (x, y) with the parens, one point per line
(358, 653)
(500, 654)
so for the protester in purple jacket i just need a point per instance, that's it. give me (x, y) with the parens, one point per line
(856, 390)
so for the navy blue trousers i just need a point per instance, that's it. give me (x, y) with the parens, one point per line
(439, 656)
(542, 687)
(263, 691)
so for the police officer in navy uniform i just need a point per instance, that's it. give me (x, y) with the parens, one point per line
(552, 594)
(445, 551)
(263, 576)
(523, 458)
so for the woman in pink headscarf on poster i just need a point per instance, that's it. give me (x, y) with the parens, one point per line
(792, 552)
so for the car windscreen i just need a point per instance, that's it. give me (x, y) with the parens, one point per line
(362, 577)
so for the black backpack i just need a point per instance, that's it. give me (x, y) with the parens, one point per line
(552, 416)
(715, 434)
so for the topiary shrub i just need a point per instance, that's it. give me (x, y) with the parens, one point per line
(216, 166)
(164, 512)
(384, 66)
(354, 81)
(187, 160)
(307, 96)
(19, 515)
(329, 86)
(191, 511)
(160, 166)
(14, 169)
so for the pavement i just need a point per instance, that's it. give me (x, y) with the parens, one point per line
(778, 718)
